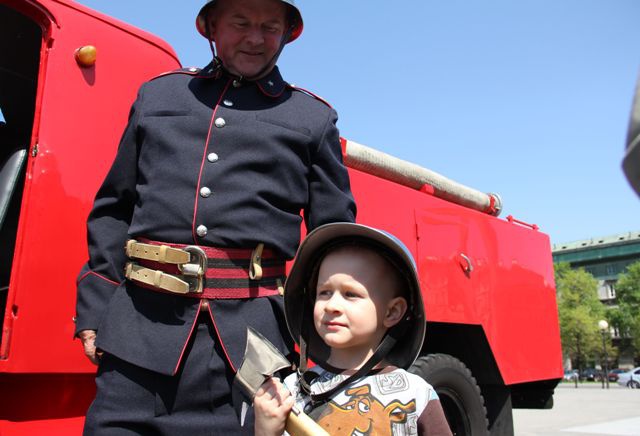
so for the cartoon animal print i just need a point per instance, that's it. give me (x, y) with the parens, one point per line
(364, 414)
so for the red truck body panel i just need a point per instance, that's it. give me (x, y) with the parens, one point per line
(511, 291)
(46, 381)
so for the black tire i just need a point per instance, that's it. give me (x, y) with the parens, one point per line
(459, 393)
(633, 384)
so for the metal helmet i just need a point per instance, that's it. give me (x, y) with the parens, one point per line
(302, 280)
(631, 162)
(294, 18)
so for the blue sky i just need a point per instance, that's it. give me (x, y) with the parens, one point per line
(526, 98)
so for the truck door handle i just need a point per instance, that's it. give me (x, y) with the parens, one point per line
(466, 264)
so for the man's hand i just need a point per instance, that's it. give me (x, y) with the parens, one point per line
(272, 405)
(88, 338)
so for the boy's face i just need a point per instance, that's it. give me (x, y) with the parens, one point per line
(355, 303)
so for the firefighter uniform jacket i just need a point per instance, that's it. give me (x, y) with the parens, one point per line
(210, 160)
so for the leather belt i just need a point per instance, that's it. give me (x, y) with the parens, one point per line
(161, 253)
(205, 272)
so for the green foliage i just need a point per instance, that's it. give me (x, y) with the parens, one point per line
(560, 269)
(626, 318)
(579, 311)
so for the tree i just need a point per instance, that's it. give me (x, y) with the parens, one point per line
(626, 317)
(579, 311)
(560, 269)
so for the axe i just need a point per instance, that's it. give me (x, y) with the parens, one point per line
(261, 360)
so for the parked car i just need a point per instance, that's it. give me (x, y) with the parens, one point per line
(591, 374)
(614, 373)
(630, 379)
(570, 375)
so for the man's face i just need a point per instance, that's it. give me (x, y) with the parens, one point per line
(247, 33)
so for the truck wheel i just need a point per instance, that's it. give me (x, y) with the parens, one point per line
(459, 393)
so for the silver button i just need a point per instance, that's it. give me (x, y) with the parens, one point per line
(212, 157)
(193, 69)
(227, 103)
(270, 83)
(220, 123)
(237, 84)
(202, 231)
(205, 192)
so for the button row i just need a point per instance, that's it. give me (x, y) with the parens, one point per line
(205, 192)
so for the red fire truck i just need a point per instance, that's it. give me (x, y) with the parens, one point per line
(492, 325)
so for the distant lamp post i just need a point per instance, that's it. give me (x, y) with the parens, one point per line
(603, 325)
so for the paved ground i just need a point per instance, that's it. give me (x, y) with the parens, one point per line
(587, 410)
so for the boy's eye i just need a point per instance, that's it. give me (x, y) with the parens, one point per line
(323, 293)
(351, 294)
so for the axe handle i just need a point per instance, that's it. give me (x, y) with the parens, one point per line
(299, 424)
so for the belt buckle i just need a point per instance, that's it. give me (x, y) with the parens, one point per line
(195, 268)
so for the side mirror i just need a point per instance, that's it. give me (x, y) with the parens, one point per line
(631, 161)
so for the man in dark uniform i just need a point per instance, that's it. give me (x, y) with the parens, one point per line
(213, 176)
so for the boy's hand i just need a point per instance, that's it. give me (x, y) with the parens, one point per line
(272, 405)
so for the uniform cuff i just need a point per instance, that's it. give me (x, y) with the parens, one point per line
(94, 293)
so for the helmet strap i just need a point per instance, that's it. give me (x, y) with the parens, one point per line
(302, 342)
(213, 50)
(305, 378)
(217, 62)
(207, 29)
(388, 342)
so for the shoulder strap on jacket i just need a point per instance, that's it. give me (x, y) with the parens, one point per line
(311, 94)
(191, 71)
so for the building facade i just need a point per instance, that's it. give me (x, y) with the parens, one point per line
(605, 258)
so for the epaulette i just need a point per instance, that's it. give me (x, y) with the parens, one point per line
(192, 71)
(310, 94)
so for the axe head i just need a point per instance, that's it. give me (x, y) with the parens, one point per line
(261, 360)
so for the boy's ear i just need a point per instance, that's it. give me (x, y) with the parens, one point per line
(395, 311)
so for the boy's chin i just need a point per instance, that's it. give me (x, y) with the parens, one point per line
(332, 340)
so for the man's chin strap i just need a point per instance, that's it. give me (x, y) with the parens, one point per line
(208, 32)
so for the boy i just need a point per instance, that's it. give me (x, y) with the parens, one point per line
(353, 305)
